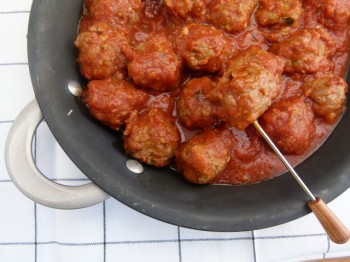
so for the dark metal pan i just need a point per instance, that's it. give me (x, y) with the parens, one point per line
(162, 193)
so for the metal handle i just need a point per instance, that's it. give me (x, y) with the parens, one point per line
(27, 177)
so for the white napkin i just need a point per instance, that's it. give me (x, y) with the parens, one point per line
(111, 231)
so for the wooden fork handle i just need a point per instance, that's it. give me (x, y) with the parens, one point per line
(335, 229)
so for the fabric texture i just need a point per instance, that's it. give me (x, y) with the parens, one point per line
(111, 231)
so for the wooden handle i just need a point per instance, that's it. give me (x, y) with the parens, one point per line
(335, 229)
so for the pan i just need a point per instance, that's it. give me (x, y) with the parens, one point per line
(159, 193)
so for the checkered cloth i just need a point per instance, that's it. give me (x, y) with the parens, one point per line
(111, 231)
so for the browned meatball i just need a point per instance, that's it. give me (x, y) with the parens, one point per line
(154, 64)
(282, 17)
(100, 54)
(259, 56)
(328, 95)
(115, 12)
(282, 12)
(205, 156)
(112, 101)
(289, 123)
(332, 14)
(187, 9)
(307, 51)
(248, 87)
(203, 47)
(152, 137)
(231, 16)
(193, 108)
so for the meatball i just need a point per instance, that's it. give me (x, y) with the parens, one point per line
(289, 123)
(193, 108)
(307, 51)
(282, 12)
(205, 156)
(332, 14)
(152, 137)
(259, 56)
(112, 101)
(282, 17)
(248, 87)
(187, 9)
(231, 16)
(115, 12)
(154, 64)
(328, 95)
(203, 47)
(100, 52)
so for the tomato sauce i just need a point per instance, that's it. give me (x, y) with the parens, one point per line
(252, 160)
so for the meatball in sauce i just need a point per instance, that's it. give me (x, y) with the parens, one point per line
(154, 64)
(332, 14)
(281, 18)
(289, 123)
(205, 156)
(248, 87)
(152, 137)
(188, 9)
(328, 95)
(115, 12)
(112, 101)
(100, 52)
(184, 80)
(308, 51)
(231, 16)
(194, 110)
(204, 48)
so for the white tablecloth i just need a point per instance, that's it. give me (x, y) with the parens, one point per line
(111, 231)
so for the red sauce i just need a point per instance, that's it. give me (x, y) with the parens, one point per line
(252, 160)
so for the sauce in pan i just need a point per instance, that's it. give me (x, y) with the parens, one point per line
(184, 80)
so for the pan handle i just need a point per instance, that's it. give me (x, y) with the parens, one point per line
(26, 176)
